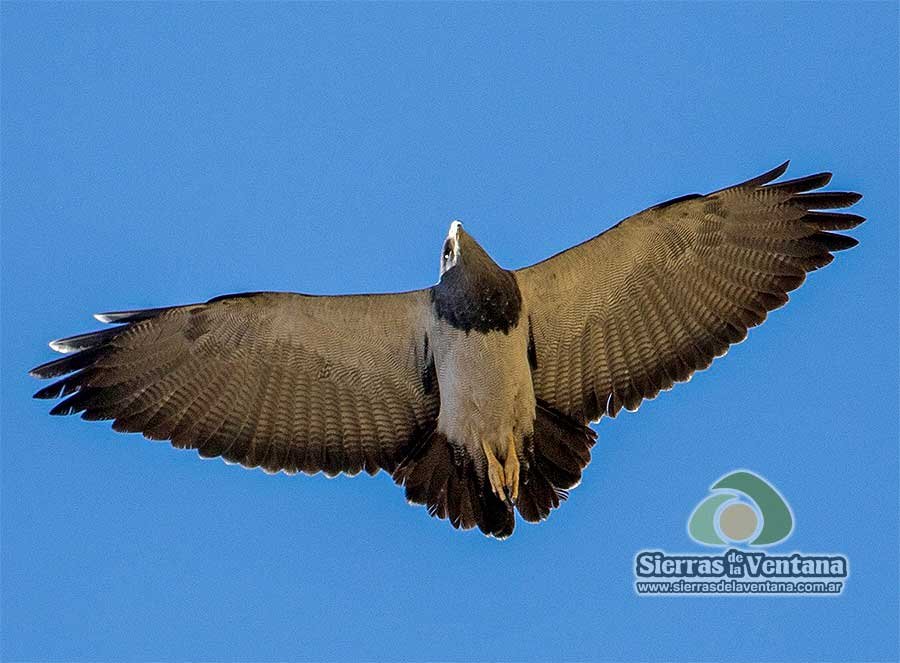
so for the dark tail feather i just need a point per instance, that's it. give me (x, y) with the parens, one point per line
(555, 455)
(445, 478)
(446, 481)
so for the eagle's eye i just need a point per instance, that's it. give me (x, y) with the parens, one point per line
(448, 249)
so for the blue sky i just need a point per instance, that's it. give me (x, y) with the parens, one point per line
(164, 154)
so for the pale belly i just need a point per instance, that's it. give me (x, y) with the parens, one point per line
(486, 389)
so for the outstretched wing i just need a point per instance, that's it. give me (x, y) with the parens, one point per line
(278, 380)
(645, 304)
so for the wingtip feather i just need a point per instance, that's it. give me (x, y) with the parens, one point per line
(827, 199)
(135, 315)
(766, 177)
(60, 346)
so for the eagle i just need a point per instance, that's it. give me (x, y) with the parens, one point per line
(475, 394)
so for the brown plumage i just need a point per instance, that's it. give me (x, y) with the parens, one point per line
(475, 393)
(273, 380)
(659, 296)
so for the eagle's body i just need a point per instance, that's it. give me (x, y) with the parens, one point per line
(480, 338)
(476, 393)
(485, 384)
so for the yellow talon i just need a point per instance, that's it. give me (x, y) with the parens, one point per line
(504, 477)
(495, 471)
(511, 469)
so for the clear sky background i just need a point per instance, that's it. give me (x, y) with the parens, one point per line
(166, 154)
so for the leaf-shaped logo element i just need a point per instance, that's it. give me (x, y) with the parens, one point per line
(702, 525)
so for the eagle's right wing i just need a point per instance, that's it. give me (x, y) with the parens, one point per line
(278, 380)
(645, 304)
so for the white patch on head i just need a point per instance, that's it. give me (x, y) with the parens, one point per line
(450, 250)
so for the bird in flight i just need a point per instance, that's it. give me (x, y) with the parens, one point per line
(474, 394)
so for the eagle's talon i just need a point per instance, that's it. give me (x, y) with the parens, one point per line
(496, 475)
(511, 470)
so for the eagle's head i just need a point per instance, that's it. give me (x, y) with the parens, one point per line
(461, 250)
(474, 292)
(451, 250)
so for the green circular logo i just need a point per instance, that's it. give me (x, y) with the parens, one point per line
(742, 506)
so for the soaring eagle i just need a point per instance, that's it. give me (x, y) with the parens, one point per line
(475, 393)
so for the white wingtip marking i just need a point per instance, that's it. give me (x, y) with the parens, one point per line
(104, 318)
(60, 347)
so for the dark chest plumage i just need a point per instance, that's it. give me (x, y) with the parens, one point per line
(478, 300)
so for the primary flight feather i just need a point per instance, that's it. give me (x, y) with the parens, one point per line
(476, 393)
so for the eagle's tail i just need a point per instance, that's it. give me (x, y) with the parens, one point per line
(445, 480)
(555, 455)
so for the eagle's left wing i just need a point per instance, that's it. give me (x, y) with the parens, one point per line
(645, 304)
(279, 380)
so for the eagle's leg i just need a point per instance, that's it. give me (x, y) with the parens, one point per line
(511, 468)
(496, 475)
